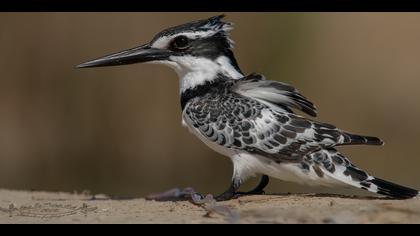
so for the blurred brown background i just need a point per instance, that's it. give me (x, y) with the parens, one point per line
(118, 130)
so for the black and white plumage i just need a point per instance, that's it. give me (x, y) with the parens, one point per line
(248, 118)
(226, 115)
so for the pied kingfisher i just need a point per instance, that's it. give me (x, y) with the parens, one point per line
(248, 118)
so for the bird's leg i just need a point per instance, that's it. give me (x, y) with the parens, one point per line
(188, 193)
(231, 192)
(260, 187)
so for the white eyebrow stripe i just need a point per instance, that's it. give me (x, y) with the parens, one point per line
(163, 41)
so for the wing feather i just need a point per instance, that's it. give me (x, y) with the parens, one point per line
(276, 93)
(238, 122)
(227, 117)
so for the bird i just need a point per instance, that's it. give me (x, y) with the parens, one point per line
(250, 119)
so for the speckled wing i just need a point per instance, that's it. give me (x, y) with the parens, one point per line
(235, 121)
(273, 93)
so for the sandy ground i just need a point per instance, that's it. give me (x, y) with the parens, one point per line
(43, 207)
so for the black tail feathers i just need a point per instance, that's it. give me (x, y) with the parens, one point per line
(353, 139)
(361, 179)
(393, 190)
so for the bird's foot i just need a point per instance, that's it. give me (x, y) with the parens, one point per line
(252, 192)
(232, 192)
(226, 196)
(230, 196)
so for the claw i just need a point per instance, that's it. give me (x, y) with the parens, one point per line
(250, 193)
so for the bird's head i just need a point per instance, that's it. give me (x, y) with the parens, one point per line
(198, 51)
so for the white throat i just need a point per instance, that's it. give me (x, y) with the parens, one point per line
(193, 71)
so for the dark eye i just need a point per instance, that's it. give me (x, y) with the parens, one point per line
(180, 42)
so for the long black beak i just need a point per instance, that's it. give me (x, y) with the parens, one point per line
(143, 53)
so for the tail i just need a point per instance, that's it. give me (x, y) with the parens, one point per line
(389, 189)
(354, 139)
(338, 167)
